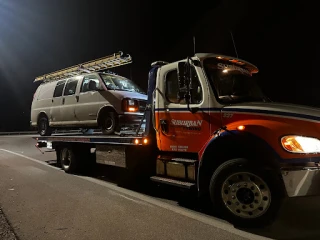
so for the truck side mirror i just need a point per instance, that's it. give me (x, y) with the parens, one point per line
(182, 80)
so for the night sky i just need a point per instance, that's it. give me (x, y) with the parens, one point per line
(38, 37)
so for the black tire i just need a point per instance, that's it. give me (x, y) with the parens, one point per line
(245, 195)
(69, 162)
(108, 123)
(43, 127)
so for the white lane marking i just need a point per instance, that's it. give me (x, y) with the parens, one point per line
(131, 199)
(301, 183)
(29, 158)
(212, 221)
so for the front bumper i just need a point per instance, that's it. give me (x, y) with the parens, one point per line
(131, 120)
(301, 181)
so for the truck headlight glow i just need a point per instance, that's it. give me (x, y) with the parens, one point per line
(298, 144)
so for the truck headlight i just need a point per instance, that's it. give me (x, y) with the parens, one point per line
(299, 144)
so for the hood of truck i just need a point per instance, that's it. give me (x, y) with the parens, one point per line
(271, 121)
(276, 109)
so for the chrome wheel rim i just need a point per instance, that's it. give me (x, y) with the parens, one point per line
(109, 123)
(43, 127)
(246, 195)
(65, 158)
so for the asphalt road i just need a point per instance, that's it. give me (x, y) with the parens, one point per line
(40, 201)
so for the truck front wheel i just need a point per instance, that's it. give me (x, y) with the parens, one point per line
(244, 195)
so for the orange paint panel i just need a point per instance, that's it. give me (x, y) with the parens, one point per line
(187, 132)
(272, 128)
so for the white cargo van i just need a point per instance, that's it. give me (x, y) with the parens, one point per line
(97, 99)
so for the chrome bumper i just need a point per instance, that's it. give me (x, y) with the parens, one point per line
(303, 181)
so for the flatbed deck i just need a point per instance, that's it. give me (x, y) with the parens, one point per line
(94, 138)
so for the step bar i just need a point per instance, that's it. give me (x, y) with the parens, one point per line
(173, 182)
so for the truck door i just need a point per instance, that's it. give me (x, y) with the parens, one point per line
(179, 129)
(69, 100)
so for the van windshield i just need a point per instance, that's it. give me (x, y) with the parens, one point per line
(114, 82)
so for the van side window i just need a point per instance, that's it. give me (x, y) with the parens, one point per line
(59, 88)
(70, 87)
(86, 81)
(172, 88)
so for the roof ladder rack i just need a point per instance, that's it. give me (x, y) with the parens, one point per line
(111, 61)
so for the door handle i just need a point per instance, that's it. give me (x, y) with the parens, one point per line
(164, 126)
(77, 97)
(63, 100)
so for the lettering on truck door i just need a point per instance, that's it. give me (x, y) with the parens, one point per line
(178, 128)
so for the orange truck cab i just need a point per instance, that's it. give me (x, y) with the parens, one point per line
(217, 130)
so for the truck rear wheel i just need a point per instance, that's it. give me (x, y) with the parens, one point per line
(245, 196)
(68, 161)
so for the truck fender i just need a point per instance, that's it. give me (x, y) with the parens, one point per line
(230, 145)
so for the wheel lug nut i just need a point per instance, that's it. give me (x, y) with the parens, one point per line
(233, 190)
(245, 185)
(238, 185)
(233, 197)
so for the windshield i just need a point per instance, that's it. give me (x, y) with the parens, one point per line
(114, 82)
(232, 83)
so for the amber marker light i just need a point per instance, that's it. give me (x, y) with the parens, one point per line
(241, 128)
(132, 109)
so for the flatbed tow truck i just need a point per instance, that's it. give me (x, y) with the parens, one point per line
(208, 127)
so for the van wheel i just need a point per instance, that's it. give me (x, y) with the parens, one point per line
(245, 196)
(108, 123)
(43, 127)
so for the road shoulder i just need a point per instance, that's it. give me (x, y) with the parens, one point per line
(6, 232)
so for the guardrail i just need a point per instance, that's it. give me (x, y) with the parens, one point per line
(18, 133)
(35, 132)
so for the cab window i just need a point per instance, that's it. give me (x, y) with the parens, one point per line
(172, 88)
(71, 87)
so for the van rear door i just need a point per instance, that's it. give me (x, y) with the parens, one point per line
(55, 112)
